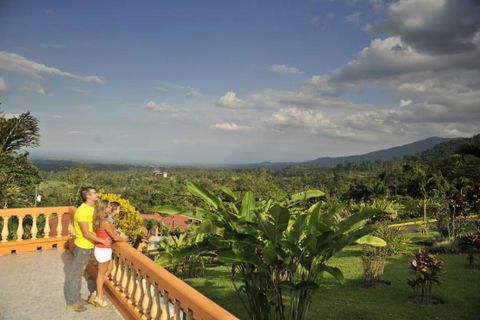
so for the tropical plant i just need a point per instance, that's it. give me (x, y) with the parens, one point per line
(18, 132)
(373, 259)
(426, 270)
(129, 220)
(393, 236)
(277, 249)
(189, 266)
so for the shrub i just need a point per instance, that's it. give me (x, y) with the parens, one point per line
(393, 236)
(129, 221)
(426, 270)
(191, 265)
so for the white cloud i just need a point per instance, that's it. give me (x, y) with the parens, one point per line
(57, 116)
(404, 103)
(230, 100)
(192, 93)
(3, 85)
(162, 107)
(353, 18)
(18, 64)
(314, 121)
(281, 68)
(230, 126)
(36, 88)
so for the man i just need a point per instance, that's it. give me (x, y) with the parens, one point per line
(85, 239)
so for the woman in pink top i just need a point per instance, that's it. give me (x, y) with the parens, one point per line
(103, 254)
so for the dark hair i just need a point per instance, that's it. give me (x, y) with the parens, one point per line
(115, 205)
(84, 191)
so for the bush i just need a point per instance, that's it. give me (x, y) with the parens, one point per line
(129, 221)
(396, 241)
(426, 270)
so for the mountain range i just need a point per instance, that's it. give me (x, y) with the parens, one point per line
(398, 152)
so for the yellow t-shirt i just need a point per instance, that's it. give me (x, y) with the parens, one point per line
(84, 213)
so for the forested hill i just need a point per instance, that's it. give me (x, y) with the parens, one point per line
(385, 154)
(446, 149)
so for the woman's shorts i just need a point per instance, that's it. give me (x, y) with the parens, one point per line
(102, 254)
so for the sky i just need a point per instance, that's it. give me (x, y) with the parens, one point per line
(216, 82)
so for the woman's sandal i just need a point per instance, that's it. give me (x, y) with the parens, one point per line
(92, 297)
(100, 303)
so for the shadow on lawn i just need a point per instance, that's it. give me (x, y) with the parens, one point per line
(216, 285)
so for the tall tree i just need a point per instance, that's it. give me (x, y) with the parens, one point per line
(18, 132)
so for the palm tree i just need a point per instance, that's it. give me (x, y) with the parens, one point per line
(18, 132)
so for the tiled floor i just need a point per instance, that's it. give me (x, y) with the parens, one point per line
(31, 287)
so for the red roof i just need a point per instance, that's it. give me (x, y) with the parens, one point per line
(171, 221)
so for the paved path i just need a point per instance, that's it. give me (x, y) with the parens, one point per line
(31, 287)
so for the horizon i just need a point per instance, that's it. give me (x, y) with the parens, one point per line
(231, 83)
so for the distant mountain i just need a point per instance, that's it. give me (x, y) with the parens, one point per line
(385, 154)
(427, 148)
(446, 149)
(58, 165)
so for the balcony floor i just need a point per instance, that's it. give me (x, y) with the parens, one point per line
(31, 287)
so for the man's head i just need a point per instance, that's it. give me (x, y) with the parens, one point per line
(89, 195)
(115, 207)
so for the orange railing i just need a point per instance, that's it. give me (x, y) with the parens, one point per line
(55, 230)
(141, 289)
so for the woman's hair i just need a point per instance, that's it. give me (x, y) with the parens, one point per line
(99, 213)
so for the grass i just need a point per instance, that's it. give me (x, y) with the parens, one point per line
(459, 290)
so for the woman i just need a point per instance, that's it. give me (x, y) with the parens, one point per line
(103, 254)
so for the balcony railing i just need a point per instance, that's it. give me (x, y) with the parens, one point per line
(54, 232)
(138, 287)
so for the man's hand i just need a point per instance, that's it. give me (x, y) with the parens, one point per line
(107, 242)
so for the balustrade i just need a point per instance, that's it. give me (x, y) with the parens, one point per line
(148, 291)
(29, 235)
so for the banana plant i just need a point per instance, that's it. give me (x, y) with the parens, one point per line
(277, 249)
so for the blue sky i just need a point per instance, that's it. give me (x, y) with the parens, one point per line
(238, 81)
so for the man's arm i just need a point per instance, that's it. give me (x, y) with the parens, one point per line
(91, 236)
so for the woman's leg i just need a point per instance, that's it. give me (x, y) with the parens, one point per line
(102, 270)
(109, 269)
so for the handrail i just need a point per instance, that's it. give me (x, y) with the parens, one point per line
(56, 229)
(153, 292)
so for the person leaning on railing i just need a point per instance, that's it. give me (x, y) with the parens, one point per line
(104, 229)
(85, 239)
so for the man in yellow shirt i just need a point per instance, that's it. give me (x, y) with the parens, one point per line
(85, 239)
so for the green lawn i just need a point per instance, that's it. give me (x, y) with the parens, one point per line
(459, 290)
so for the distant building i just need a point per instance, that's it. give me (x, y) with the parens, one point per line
(160, 173)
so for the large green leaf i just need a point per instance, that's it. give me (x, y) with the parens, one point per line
(203, 194)
(355, 220)
(229, 192)
(207, 227)
(247, 209)
(334, 271)
(305, 195)
(372, 241)
(280, 216)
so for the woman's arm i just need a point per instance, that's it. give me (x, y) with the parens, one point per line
(111, 231)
